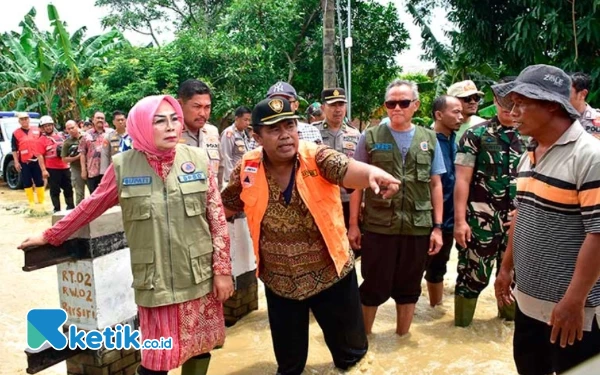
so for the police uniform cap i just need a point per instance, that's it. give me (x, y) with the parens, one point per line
(333, 95)
(271, 111)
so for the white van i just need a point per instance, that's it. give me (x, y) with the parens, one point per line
(8, 124)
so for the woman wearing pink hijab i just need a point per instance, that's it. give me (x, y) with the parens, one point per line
(177, 234)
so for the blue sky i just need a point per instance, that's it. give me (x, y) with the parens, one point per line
(83, 13)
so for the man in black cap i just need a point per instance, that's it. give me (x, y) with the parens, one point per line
(306, 132)
(289, 190)
(555, 234)
(338, 134)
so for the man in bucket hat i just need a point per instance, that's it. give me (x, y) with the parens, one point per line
(289, 190)
(555, 233)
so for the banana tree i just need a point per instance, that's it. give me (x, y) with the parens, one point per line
(50, 72)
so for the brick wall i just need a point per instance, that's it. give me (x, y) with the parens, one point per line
(244, 300)
(104, 362)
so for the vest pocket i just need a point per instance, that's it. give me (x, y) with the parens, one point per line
(136, 202)
(423, 212)
(382, 212)
(194, 197)
(201, 256)
(382, 159)
(423, 167)
(143, 269)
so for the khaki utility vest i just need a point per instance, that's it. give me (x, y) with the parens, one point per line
(409, 212)
(166, 226)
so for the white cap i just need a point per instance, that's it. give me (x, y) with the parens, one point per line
(46, 120)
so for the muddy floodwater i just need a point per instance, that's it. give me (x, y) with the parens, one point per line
(434, 345)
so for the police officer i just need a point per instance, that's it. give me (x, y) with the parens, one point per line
(115, 142)
(59, 175)
(235, 141)
(486, 170)
(195, 99)
(590, 117)
(26, 156)
(337, 133)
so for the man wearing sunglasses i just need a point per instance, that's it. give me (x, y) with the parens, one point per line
(485, 188)
(469, 96)
(402, 232)
(338, 134)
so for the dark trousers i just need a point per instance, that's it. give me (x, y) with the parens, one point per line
(436, 265)
(93, 182)
(392, 266)
(338, 313)
(534, 354)
(31, 173)
(60, 179)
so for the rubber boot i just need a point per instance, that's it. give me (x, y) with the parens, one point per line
(464, 309)
(41, 194)
(508, 312)
(196, 365)
(29, 193)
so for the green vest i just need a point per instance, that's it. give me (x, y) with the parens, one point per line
(166, 227)
(409, 212)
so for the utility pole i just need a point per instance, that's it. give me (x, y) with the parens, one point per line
(329, 69)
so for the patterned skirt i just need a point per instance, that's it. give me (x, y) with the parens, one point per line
(196, 327)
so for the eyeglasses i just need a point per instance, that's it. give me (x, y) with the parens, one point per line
(473, 98)
(504, 102)
(391, 104)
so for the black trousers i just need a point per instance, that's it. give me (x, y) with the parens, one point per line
(60, 179)
(436, 265)
(93, 182)
(534, 354)
(31, 173)
(338, 313)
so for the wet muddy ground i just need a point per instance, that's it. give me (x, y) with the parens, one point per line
(434, 345)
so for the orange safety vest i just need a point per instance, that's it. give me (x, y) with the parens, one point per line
(28, 143)
(321, 197)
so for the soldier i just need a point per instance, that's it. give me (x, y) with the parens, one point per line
(486, 171)
(59, 175)
(590, 118)
(306, 132)
(447, 113)
(195, 98)
(115, 142)
(399, 233)
(337, 133)
(469, 96)
(235, 141)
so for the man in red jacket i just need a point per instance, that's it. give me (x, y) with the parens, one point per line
(59, 174)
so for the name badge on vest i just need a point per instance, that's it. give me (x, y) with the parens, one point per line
(135, 181)
(382, 146)
(198, 176)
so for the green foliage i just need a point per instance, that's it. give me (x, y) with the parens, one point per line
(512, 34)
(49, 72)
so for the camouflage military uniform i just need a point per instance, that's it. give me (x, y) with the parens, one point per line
(493, 151)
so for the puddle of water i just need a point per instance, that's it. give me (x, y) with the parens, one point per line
(434, 345)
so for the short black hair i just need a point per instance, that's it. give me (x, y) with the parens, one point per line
(241, 110)
(118, 113)
(192, 87)
(439, 104)
(581, 81)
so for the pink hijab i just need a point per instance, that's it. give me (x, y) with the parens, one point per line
(141, 131)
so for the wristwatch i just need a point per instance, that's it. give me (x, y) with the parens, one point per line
(437, 226)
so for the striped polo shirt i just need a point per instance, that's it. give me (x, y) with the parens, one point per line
(558, 198)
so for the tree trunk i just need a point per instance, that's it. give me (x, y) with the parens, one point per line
(329, 70)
